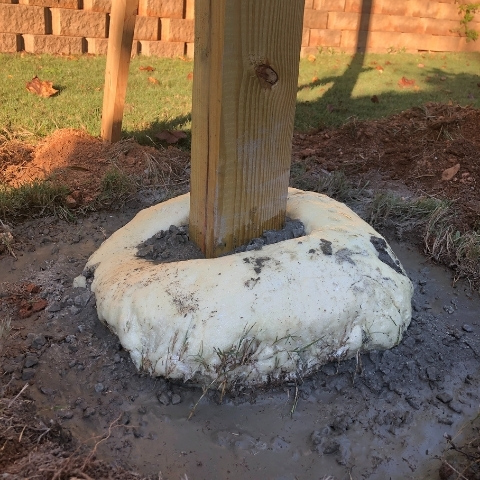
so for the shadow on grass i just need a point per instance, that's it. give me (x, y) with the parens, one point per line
(147, 136)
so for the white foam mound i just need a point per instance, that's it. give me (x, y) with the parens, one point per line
(255, 317)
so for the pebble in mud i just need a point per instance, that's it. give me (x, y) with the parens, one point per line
(467, 328)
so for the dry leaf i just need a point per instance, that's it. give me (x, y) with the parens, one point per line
(147, 69)
(40, 87)
(152, 80)
(375, 99)
(449, 173)
(379, 68)
(171, 136)
(406, 83)
(420, 65)
(190, 76)
(311, 58)
(314, 79)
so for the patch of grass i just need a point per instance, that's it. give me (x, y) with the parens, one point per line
(387, 207)
(116, 187)
(338, 86)
(333, 88)
(336, 185)
(33, 200)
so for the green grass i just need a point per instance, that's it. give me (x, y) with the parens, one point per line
(332, 89)
(337, 86)
(37, 199)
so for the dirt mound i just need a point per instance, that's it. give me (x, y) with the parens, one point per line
(433, 150)
(81, 162)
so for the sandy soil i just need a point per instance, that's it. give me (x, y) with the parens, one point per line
(399, 414)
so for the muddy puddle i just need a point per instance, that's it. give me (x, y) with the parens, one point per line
(379, 416)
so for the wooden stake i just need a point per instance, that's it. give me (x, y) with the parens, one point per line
(120, 41)
(244, 93)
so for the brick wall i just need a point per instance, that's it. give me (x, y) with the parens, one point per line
(166, 27)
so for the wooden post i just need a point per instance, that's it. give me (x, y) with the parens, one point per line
(244, 93)
(120, 41)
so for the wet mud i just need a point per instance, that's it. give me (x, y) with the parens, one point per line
(377, 416)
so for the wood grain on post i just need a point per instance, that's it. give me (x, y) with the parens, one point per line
(244, 93)
(120, 41)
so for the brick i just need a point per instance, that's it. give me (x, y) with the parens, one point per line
(448, 11)
(99, 46)
(380, 42)
(177, 30)
(190, 9)
(441, 27)
(9, 42)
(422, 8)
(382, 7)
(305, 37)
(329, 5)
(161, 8)
(104, 6)
(53, 44)
(396, 23)
(308, 4)
(10, 2)
(147, 28)
(78, 23)
(190, 50)
(325, 38)
(315, 19)
(52, 3)
(162, 49)
(22, 19)
(343, 21)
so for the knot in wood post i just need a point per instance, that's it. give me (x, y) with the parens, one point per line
(267, 75)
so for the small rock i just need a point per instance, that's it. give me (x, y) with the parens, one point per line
(54, 307)
(331, 447)
(444, 397)
(164, 399)
(99, 387)
(28, 373)
(117, 358)
(82, 300)
(65, 414)
(467, 328)
(38, 342)
(30, 361)
(70, 339)
(75, 310)
(88, 412)
(455, 406)
(449, 309)
(47, 391)
(176, 399)
(445, 420)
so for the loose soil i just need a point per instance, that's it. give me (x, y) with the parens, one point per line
(73, 405)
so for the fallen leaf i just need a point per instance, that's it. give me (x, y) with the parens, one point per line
(171, 136)
(190, 76)
(375, 99)
(148, 68)
(152, 80)
(443, 78)
(379, 68)
(314, 79)
(42, 88)
(406, 83)
(311, 58)
(449, 173)
(420, 65)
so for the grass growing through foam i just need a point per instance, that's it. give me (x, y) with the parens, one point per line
(331, 89)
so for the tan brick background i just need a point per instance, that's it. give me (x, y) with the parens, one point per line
(166, 27)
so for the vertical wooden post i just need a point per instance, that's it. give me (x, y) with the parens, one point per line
(244, 93)
(120, 41)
